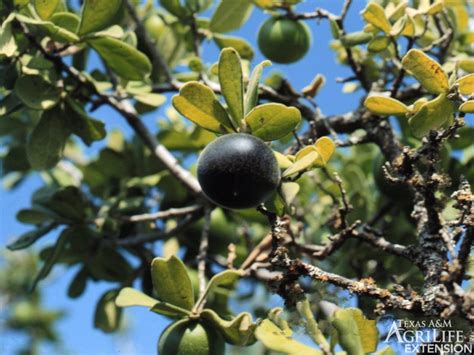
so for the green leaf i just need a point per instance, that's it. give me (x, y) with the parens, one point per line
(198, 103)
(232, 86)
(68, 202)
(251, 95)
(272, 121)
(225, 278)
(375, 15)
(274, 338)
(151, 99)
(8, 45)
(122, 58)
(239, 331)
(230, 15)
(35, 92)
(326, 148)
(27, 239)
(467, 107)
(78, 283)
(33, 216)
(174, 7)
(169, 310)
(356, 334)
(466, 84)
(107, 314)
(432, 115)
(427, 71)
(46, 144)
(129, 297)
(356, 38)
(242, 47)
(45, 8)
(385, 106)
(172, 283)
(53, 257)
(306, 162)
(97, 15)
(66, 20)
(85, 127)
(57, 33)
(378, 44)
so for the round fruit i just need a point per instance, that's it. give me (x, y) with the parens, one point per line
(238, 171)
(283, 40)
(185, 337)
(154, 26)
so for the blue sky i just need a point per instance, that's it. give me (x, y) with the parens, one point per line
(143, 327)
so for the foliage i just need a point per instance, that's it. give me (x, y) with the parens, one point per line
(380, 196)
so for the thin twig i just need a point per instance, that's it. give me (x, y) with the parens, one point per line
(171, 213)
(201, 258)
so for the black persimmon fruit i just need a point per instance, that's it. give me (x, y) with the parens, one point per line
(238, 171)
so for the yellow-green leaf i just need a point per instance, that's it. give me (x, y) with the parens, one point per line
(432, 115)
(272, 121)
(251, 95)
(232, 86)
(242, 47)
(378, 44)
(325, 147)
(467, 64)
(320, 162)
(467, 107)
(435, 8)
(375, 15)
(45, 8)
(274, 338)
(304, 163)
(171, 282)
(356, 334)
(283, 161)
(427, 71)
(288, 191)
(385, 106)
(466, 84)
(98, 14)
(8, 45)
(198, 103)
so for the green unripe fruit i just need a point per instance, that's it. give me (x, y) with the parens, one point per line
(185, 337)
(154, 26)
(283, 40)
(238, 171)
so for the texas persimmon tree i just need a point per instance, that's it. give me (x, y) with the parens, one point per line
(245, 178)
